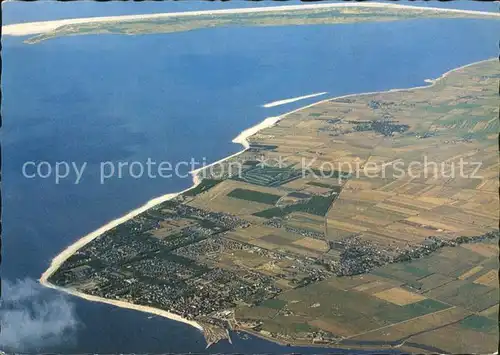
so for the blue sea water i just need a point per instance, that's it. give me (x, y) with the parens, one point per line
(89, 99)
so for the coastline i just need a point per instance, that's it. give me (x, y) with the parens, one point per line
(40, 27)
(242, 139)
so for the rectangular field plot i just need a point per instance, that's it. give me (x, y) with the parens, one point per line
(404, 313)
(216, 199)
(255, 196)
(471, 272)
(406, 273)
(306, 221)
(487, 250)
(374, 287)
(431, 282)
(457, 339)
(479, 323)
(313, 244)
(465, 294)
(491, 312)
(317, 205)
(489, 279)
(269, 176)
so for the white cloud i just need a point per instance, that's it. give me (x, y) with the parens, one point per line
(32, 317)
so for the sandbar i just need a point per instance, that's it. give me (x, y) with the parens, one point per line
(242, 139)
(33, 28)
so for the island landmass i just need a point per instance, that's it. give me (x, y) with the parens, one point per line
(328, 257)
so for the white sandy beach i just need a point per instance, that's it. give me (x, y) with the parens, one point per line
(124, 304)
(242, 139)
(33, 28)
(293, 99)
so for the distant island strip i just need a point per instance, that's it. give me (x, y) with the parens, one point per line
(336, 13)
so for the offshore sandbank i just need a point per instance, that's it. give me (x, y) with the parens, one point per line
(33, 28)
